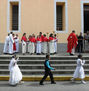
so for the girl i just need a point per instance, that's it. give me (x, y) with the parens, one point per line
(15, 73)
(79, 72)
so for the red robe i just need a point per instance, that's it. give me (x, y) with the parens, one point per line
(24, 38)
(72, 42)
(42, 38)
(14, 46)
(39, 39)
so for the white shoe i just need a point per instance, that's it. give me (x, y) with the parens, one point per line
(72, 79)
(83, 82)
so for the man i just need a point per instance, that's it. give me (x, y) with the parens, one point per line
(80, 43)
(72, 43)
(11, 41)
(6, 45)
(48, 69)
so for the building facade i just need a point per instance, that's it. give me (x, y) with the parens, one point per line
(47, 16)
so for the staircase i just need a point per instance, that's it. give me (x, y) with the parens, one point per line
(33, 65)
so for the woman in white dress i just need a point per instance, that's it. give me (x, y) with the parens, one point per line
(79, 72)
(15, 73)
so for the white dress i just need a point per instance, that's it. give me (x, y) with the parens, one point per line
(79, 72)
(38, 47)
(15, 73)
(23, 46)
(17, 44)
(45, 47)
(55, 45)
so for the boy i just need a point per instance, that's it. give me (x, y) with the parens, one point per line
(48, 69)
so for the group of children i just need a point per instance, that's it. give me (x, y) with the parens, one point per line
(16, 75)
(39, 45)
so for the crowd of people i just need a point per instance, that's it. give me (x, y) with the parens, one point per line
(76, 43)
(39, 45)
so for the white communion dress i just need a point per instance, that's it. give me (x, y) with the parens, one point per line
(15, 73)
(79, 72)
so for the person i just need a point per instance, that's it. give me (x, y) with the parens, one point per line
(55, 43)
(11, 41)
(45, 45)
(42, 37)
(24, 40)
(79, 72)
(6, 45)
(14, 44)
(51, 44)
(38, 45)
(80, 43)
(15, 73)
(72, 43)
(48, 69)
(17, 43)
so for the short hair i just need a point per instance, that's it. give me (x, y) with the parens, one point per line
(79, 56)
(73, 31)
(47, 56)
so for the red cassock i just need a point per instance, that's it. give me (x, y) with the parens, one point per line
(45, 39)
(72, 42)
(51, 38)
(30, 39)
(14, 46)
(24, 38)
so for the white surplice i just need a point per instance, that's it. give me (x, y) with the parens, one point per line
(6, 45)
(38, 47)
(11, 41)
(15, 73)
(23, 47)
(79, 72)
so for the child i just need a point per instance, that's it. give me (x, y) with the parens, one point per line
(15, 73)
(79, 72)
(48, 69)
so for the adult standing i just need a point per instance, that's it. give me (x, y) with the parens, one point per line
(72, 43)
(11, 41)
(80, 43)
(6, 45)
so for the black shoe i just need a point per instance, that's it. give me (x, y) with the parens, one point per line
(71, 54)
(41, 83)
(53, 82)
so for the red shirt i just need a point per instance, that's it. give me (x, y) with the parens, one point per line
(24, 38)
(51, 38)
(33, 40)
(39, 39)
(45, 39)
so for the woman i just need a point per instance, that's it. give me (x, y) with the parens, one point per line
(15, 73)
(79, 72)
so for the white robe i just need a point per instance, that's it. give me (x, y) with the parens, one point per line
(51, 46)
(17, 44)
(45, 47)
(79, 72)
(11, 44)
(31, 47)
(6, 45)
(55, 45)
(23, 47)
(38, 47)
(15, 73)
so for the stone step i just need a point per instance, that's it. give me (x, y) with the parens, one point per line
(41, 66)
(38, 72)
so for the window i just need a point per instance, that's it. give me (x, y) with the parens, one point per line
(61, 17)
(14, 15)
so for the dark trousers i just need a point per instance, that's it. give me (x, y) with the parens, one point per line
(80, 47)
(45, 76)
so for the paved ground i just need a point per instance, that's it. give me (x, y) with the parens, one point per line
(34, 86)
